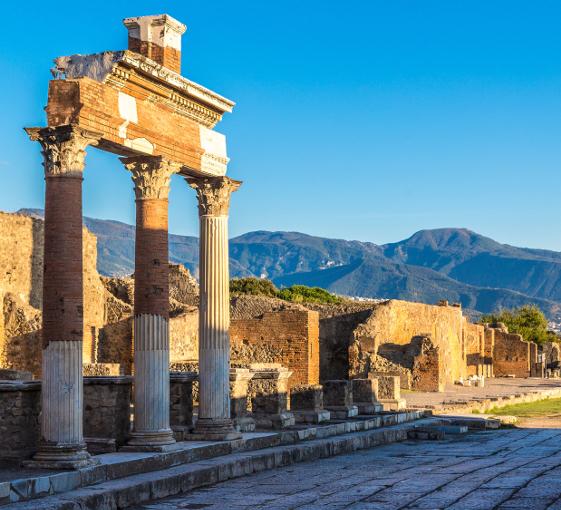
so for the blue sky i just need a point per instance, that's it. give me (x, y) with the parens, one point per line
(363, 120)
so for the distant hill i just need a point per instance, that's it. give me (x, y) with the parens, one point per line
(453, 264)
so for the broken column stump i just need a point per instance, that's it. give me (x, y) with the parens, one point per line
(306, 403)
(365, 396)
(239, 387)
(338, 399)
(268, 393)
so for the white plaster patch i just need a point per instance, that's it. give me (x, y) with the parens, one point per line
(140, 145)
(212, 141)
(127, 108)
(160, 29)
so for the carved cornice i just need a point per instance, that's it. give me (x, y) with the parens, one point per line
(213, 194)
(64, 148)
(151, 175)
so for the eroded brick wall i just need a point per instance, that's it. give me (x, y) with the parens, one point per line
(288, 337)
(511, 355)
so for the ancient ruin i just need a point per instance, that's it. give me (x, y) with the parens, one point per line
(136, 104)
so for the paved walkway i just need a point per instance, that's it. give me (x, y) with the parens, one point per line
(504, 470)
(493, 388)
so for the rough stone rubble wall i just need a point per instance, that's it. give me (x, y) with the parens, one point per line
(395, 323)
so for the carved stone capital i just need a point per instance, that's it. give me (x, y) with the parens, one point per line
(64, 148)
(213, 194)
(151, 175)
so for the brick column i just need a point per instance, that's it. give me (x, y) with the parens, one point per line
(151, 176)
(214, 422)
(62, 444)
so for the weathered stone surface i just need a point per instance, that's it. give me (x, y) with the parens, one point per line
(181, 402)
(107, 402)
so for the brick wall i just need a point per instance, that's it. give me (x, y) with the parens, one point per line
(289, 337)
(511, 355)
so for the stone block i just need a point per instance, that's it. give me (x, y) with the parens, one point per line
(181, 403)
(338, 399)
(7, 374)
(101, 369)
(365, 396)
(388, 385)
(107, 410)
(311, 416)
(239, 389)
(268, 396)
(393, 404)
(307, 397)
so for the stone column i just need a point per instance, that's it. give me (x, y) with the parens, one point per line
(151, 176)
(214, 422)
(62, 444)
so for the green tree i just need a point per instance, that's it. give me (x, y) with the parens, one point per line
(528, 321)
(303, 294)
(253, 286)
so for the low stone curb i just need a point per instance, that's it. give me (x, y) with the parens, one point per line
(140, 488)
(485, 404)
(115, 466)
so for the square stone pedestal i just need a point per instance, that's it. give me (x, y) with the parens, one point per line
(338, 399)
(107, 409)
(181, 403)
(389, 391)
(365, 396)
(268, 394)
(306, 403)
(239, 387)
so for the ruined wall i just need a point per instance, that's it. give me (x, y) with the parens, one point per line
(337, 324)
(184, 335)
(288, 337)
(511, 355)
(474, 345)
(395, 323)
(21, 276)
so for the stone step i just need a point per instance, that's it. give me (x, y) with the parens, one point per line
(113, 466)
(140, 488)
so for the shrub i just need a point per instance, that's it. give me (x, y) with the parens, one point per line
(253, 286)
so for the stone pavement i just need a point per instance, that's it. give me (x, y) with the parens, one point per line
(503, 470)
(456, 397)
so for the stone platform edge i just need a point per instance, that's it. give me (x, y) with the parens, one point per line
(484, 404)
(115, 466)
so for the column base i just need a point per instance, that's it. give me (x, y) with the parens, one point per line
(61, 456)
(152, 441)
(208, 429)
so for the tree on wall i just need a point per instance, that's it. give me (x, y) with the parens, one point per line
(528, 321)
(295, 294)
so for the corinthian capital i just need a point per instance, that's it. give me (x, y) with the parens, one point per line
(64, 148)
(151, 175)
(213, 194)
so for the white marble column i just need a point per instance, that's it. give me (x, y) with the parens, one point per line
(214, 421)
(151, 176)
(62, 444)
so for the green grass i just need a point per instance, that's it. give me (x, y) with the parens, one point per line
(548, 407)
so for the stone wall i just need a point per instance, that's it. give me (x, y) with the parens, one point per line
(511, 355)
(337, 325)
(474, 344)
(20, 406)
(288, 337)
(393, 324)
(21, 276)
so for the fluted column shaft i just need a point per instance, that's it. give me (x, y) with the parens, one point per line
(151, 176)
(214, 420)
(62, 443)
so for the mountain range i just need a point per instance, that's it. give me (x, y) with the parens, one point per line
(455, 264)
